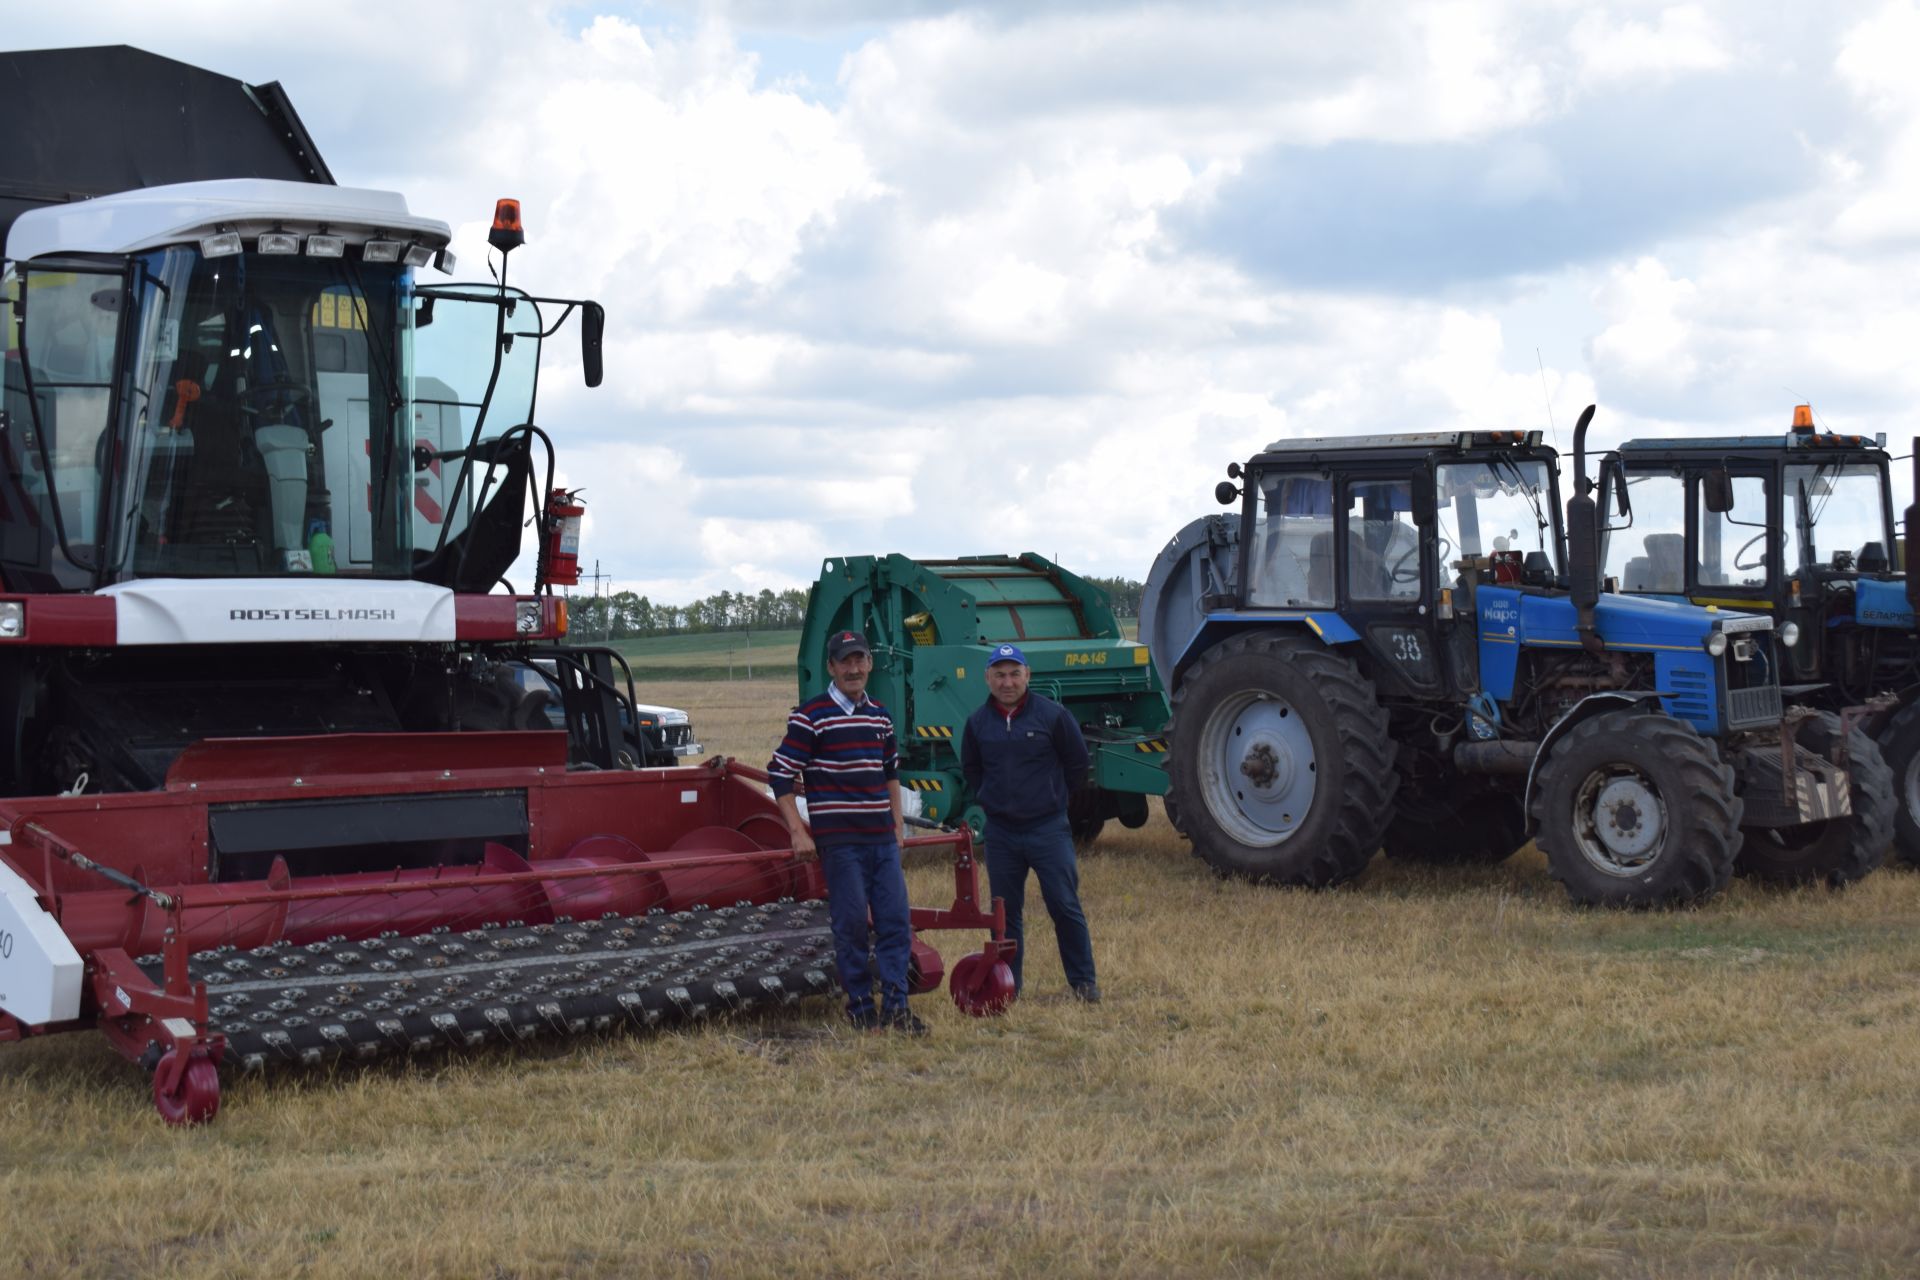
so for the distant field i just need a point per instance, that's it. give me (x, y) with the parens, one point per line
(726, 655)
(711, 656)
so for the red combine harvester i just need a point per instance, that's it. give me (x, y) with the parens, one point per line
(272, 787)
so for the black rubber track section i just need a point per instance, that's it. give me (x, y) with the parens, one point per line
(1695, 859)
(1354, 758)
(339, 999)
(1900, 746)
(1832, 853)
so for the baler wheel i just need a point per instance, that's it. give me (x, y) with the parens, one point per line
(186, 1087)
(982, 985)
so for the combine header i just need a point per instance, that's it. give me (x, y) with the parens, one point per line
(274, 787)
(932, 623)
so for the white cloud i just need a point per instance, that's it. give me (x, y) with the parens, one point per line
(944, 309)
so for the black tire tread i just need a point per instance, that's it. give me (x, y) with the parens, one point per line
(1868, 832)
(1702, 863)
(1367, 756)
(1899, 742)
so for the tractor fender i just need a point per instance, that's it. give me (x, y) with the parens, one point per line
(1327, 626)
(1585, 709)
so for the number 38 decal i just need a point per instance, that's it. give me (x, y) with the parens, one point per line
(1406, 647)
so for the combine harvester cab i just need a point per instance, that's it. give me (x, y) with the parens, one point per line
(932, 623)
(1386, 646)
(1800, 527)
(273, 788)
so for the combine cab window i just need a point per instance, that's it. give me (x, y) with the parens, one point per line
(1651, 556)
(56, 444)
(267, 430)
(453, 364)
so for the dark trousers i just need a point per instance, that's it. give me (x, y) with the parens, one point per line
(1045, 849)
(863, 878)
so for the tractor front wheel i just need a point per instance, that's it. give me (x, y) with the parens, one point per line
(1280, 763)
(1840, 850)
(1636, 810)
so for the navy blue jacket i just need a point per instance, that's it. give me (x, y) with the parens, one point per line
(1022, 769)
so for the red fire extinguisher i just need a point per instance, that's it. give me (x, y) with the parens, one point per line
(564, 510)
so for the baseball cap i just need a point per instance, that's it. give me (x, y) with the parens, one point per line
(844, 643)
(1006, 653)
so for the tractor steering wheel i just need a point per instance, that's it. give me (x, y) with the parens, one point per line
(1399, 571)
(1761, 563)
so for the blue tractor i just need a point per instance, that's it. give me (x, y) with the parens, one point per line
(1388, 646)
(1800, 527)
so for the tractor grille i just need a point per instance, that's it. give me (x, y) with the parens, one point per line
(1690, 696)
(1749, 707)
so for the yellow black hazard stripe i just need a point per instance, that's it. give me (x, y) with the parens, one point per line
(925, 784)
(1154, 746)
(932, 731)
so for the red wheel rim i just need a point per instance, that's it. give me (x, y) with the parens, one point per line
(186, 1093)
(981, 986)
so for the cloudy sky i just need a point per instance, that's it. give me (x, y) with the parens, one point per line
(949, 279)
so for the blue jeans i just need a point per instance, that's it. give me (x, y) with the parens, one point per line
(863, 878)
(1046, 849)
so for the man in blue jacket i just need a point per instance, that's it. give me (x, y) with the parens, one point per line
(1024, 757)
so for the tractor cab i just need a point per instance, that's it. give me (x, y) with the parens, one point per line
(1799, 527)
(1378, 536)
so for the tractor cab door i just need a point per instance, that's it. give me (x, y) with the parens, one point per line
(1382, 565)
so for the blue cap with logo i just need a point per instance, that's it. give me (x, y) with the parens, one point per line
(1006, 653)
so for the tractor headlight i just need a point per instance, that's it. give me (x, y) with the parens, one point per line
(1716, 643)
(1788, 634)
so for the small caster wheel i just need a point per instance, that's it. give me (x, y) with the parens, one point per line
(186, 1088)
(982, 985)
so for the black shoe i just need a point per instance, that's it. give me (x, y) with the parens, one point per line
(1087, 993)
(863, 1020)
(903, 1020)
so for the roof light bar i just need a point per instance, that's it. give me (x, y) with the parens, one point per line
(382, 250)
(326, 247)
(222, 245)
(418, 255)
(278, 242)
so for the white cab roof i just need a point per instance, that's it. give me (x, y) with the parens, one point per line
(132, 221)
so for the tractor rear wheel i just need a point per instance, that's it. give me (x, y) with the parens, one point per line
(1636, 810)
(1280, 763)
(1840, 850)
(1900, 745)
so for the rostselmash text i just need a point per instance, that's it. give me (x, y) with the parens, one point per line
(311, 615)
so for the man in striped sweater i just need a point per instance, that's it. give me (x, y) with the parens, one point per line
(841, 745)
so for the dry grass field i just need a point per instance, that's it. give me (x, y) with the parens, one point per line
(1424, 1074)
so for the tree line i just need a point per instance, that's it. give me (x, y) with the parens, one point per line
(626, 615)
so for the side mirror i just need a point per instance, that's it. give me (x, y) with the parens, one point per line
(593, 323)
(1716, 490)
(423, 312)
(1425, 503)
(1225, 494)
(1233, 470)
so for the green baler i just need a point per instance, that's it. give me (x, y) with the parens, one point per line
(931, 624)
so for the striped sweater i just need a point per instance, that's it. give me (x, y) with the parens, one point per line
(847, 754)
